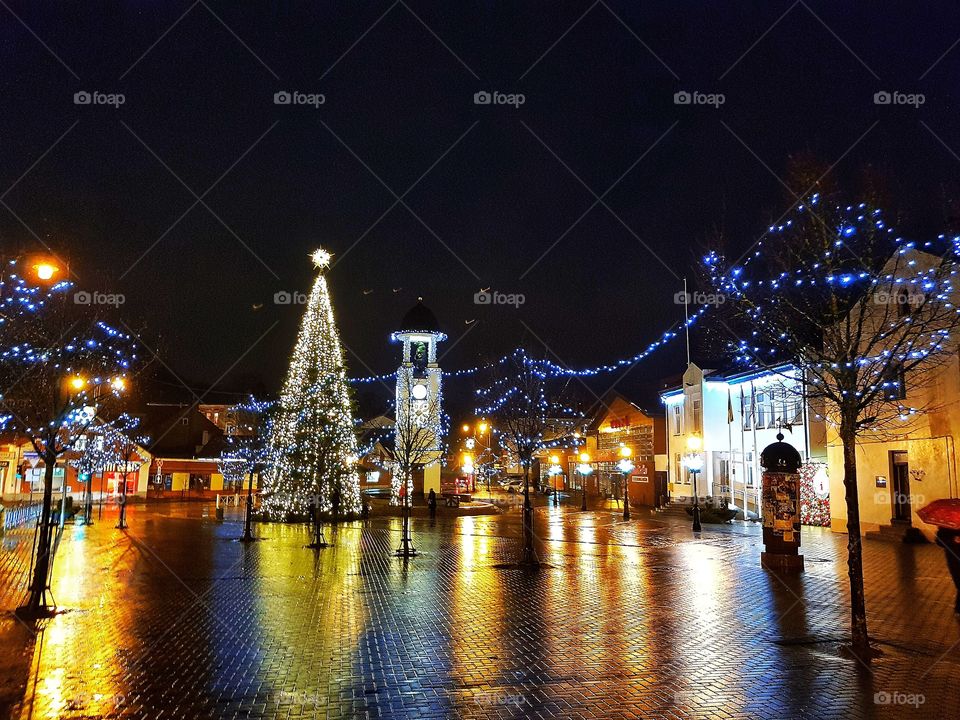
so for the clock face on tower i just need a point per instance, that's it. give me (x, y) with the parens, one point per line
(418, 354)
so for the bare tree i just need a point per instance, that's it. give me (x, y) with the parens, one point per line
(61, 366)
(247, 452)
(417, 444)
(126, 448)
(861, 313)
(519, 401)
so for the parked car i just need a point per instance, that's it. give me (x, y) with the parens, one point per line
(512, 485)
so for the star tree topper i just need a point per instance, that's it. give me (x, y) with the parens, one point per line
(321, 258)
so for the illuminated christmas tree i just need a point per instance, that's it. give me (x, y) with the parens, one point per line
(313, 447)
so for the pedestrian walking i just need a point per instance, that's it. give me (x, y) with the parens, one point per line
(949, 540)
(432, 503)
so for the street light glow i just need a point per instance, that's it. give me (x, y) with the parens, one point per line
(45, 270)
(584, 457)
(694, 443)
(77, 382)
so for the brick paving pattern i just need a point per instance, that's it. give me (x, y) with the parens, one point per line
(639, 619)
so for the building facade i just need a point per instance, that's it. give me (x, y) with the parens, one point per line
(733, 417)
(902, 469)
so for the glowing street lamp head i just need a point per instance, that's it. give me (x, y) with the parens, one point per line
(78, 382)
(46, 270)
(482, 427)
(119, 384)
(625, 452)
(694, 443)
(321, 258)
(554, 460)
(465, 428)
(584, 457)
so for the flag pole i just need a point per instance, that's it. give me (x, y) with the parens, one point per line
(756, 464)
(743, 451)
(732, 472)
(686, 318)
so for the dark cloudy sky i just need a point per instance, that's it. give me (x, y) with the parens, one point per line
(489, 195)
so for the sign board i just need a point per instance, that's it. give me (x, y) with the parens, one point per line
(881, 481)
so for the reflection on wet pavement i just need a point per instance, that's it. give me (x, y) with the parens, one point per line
(175, 618)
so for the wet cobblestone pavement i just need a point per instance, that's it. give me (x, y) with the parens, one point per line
(641, 619)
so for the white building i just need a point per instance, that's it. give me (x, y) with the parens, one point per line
(735, 416)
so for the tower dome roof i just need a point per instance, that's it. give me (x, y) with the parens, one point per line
(420, 318)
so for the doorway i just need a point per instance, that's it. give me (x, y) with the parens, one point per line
(900, 487)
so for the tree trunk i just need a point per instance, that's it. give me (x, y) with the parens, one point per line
(247, 535)
(122, 521)
(528, 557)
(858, 613)
(36, 603)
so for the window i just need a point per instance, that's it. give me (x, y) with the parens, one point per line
(761, 410)
(894, 383)
(697, 417)
(903, 303)
(795, 407)
(677, 419)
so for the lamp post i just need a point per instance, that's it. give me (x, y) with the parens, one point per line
(694, 463)
(468, 467)
(585, 469)
(554, 472)
(625, 466)
(247, 532)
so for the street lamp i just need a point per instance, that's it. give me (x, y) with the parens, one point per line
(45, 270)
(625, 466)
(554, 471)
(694, 463)
(585, 469)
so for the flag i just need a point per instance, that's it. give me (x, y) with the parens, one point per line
(743, 406)
(729, 406)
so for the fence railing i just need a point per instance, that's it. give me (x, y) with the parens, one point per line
(19, 515)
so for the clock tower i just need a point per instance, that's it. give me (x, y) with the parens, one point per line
(419, 382)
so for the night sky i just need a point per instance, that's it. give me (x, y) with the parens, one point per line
(497, 190)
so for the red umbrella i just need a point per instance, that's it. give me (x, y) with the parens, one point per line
(943, 513)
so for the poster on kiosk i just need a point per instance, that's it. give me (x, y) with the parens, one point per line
(781, 507)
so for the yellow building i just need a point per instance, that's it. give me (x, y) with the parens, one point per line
(899, 474)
